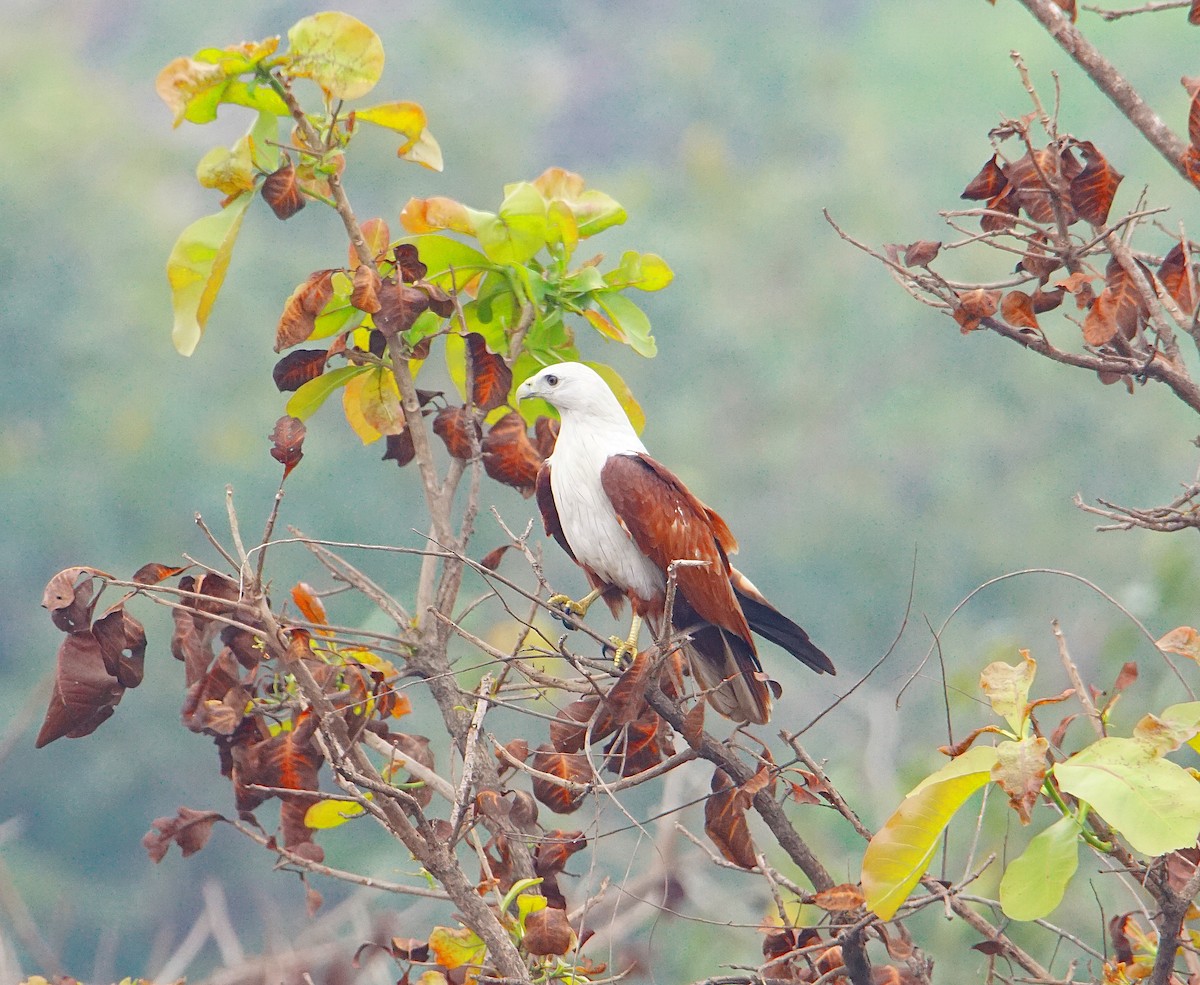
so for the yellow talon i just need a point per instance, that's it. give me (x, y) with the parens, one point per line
(570, 608)
(624, 650)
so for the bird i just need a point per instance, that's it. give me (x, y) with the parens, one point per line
(624, 518)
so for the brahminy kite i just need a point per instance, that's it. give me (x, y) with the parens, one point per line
(624, 518)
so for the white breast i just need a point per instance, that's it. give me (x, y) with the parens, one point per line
(588, 520)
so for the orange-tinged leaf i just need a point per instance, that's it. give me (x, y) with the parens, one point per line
(376, 235)
(493, 379)
(196, 270)
(309, 604)
(1194, 12)
(1178, 277)
(1017, 309)
(1100, 325)
(451, 425)
(454, 947)
(365, 294)
(338, 52)
(297, 368)
(1183, 640)
(509, 456)
(428, 215)
(989, 183)
(547, 931)
(193, 87)
(1093, 189)
(838, 899)
(566, 766)
(1030, 177)
(1191, 165)
(725, 821)
(153, 573)
(974, 306)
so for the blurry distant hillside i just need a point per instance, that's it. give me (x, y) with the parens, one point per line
(847, 429)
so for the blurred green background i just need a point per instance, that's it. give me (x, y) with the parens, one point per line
(852, 438)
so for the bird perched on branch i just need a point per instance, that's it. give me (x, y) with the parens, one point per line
(624, 518)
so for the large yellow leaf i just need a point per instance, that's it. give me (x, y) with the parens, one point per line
(338, 52)
(900, 852)
(196, 269)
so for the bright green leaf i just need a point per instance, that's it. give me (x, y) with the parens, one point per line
(630, 320)
(451, 263)
(305, 401)
(900, 852)
(338, 52)
(1152, 802)
(196, 269)
(331, 813)
(584, 281)
(1007, 688)
(519, 230)
(1034, 884)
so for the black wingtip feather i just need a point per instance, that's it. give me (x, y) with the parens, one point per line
(771, 624)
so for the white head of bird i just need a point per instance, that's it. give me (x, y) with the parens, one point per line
(577, 392)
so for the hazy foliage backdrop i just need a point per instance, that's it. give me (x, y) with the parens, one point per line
(839, 427)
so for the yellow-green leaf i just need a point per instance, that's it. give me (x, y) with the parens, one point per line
(331, 813)
(338, 52)
(900, 852)
(1007, 688)
(630, 322)
(193, 87)
(1034, 883)
(1152, 802)
(637, 417)
(1188, 712)
(645, 271)
(196, 269)
(519, 230)
(305, 401)
(229, 170)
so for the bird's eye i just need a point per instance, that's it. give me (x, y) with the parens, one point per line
(551, 380)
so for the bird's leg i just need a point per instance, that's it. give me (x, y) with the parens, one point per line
(624, 650)
(570, 607)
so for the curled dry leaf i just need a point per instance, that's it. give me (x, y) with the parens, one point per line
(188, 829)
(84, 693)
(1093, 189)
(409, 267)
(365, 293)
(725, 821)
(492, 377)
(287, 442)
(298, 367)
(837, 899)
(299, 316)
(71, 597)
(399, 448)
(509, 456)
(281, 191)
(1017, 309)
(1178, 277)
(974, 306)
(1183, 640)
(921, 253)
(988, 184)
(454, 425)
(566, 766)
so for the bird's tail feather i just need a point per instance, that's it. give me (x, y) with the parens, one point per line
(771, 624)
(726, 668)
